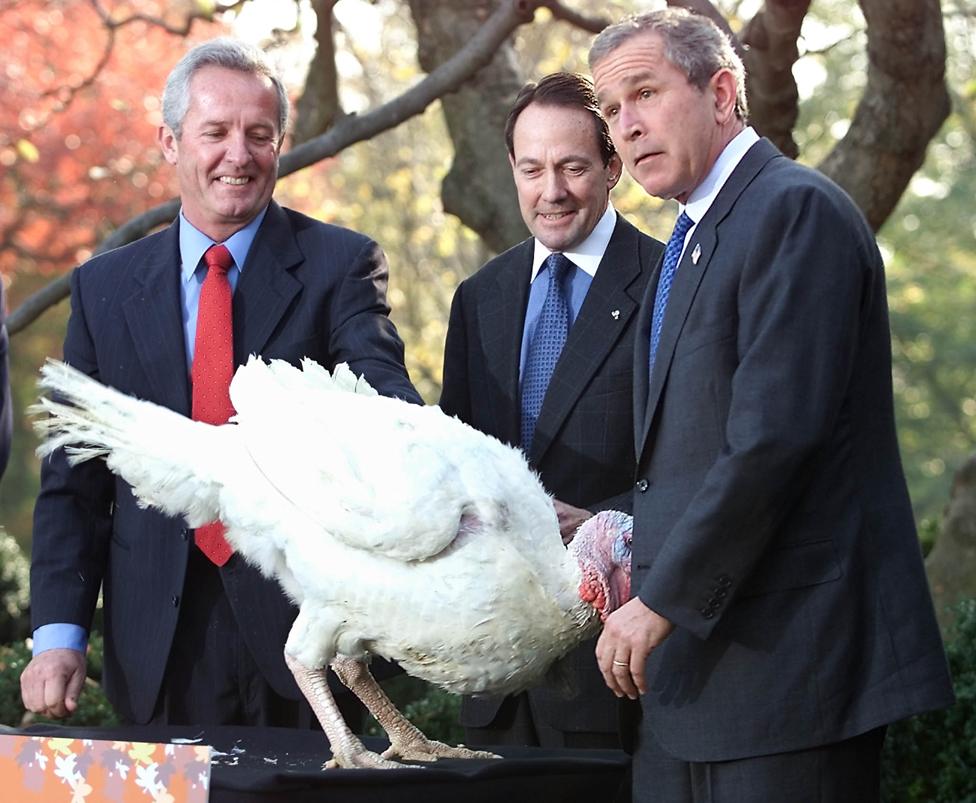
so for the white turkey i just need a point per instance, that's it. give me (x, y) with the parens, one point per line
(397, 530)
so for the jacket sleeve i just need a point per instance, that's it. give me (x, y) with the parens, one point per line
(72, 515)
(455, 393)
(363, 334)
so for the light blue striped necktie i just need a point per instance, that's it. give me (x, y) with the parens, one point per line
(547, 344)
(672, 254)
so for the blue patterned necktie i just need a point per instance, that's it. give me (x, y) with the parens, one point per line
(547, 344)
(672, 253)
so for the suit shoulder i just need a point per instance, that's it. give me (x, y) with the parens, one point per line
(515, 258)
(125, 258)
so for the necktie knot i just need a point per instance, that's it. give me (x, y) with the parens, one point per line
(558, 266)
(217, 257)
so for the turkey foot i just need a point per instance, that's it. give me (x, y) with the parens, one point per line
(347, 750)
(407, 742)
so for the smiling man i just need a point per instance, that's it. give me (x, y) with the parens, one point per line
(193, 635)
(538, 354)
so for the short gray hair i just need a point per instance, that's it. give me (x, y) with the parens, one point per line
(692, 43)
(222, 52)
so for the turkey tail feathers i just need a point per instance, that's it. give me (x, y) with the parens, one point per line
(147, 445)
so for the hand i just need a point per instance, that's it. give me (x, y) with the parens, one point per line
(570, 518)
(52, 681)
(629, 634)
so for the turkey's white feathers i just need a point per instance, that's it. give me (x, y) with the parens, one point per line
(398, 530)
(148, 445)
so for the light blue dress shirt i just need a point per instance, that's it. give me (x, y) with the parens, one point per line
(193, 244)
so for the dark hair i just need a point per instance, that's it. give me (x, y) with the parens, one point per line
(566, 89)
(692, 43)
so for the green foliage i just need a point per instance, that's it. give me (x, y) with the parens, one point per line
(93, 707)
(14, 593)
(931, 758)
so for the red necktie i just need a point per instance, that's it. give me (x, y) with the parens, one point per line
(213, 367)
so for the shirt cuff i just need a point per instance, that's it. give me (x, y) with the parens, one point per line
(60, 636)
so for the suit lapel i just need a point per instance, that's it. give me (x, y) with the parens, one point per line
(697, 256)
(153, 314)
(501, 316)
(266, 287)
(609, 305)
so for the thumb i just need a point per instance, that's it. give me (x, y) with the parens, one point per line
(75, 684)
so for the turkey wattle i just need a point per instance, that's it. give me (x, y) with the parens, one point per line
(397, 530)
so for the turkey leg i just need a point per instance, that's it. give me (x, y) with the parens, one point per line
(347, 750)
(406, 740)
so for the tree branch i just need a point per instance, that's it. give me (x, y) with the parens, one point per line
(560, 12)
(903, 106)
(349, 130)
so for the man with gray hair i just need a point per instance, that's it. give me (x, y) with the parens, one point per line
(781, 616)
(193, 635)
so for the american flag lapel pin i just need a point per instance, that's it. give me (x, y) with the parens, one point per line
(696, 254)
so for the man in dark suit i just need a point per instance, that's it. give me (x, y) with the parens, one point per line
(781, 616)
(564, 166)
(188, 640)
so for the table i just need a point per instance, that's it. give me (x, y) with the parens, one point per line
(257, 765)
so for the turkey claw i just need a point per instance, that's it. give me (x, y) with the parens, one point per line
(365, 760)
(432, 751)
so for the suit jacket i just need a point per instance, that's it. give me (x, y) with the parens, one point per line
(307, 289)
(583, 445)
(772, 520)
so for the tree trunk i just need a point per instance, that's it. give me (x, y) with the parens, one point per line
(951, 565)
(478, 188)
(904, 104)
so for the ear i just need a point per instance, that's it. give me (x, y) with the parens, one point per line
(724, 89)
(614, 168)
(168, 144)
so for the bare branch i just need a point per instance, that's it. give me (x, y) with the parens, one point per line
(348, 131)
(560, 12)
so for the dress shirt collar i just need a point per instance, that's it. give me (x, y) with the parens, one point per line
(704, 194)
(193, 244)
(587, 255)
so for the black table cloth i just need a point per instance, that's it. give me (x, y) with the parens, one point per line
(256, 765)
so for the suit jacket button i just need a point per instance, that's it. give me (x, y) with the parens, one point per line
(176, 600)
(642, 485)
(708, 614)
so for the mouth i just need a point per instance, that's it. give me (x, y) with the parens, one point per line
(556, 217)
(234, 181)
(646, 157)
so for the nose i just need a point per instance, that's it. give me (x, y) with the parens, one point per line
(629, 123)
(238, 151)
(554, 188)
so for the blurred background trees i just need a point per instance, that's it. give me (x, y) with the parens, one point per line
(879, 94)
